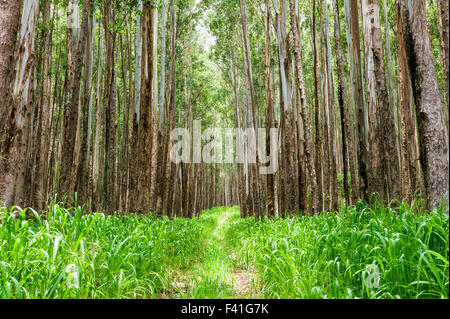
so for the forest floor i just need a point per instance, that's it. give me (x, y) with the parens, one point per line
(365, 251)
(217, 273)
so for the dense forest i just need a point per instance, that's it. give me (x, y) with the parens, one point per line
(348, 97)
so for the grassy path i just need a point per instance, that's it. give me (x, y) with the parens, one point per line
(217, 274)
(362, 252)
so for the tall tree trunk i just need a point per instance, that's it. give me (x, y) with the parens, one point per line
(237, 122)
(309, 145)
(14, 150)
(97, 156)
(82, 181)
(162, 94)
(393, 105)
(443, 8)
(332, 116)
(343, 102)
(384, 169)
(318, 150)
(169, 173)
(76, 45)
(134, 174)
(9, 25)
(110, 109)
(269, 111)
(433, 135)
(155, 127)
(362, 127)
(186, 166)
(353, 157)
(251, 119)
(409, 158)
(145, 133)
(46, 102)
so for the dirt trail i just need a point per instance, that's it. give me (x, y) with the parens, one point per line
(244, 280)
(244, 285)
(218, 274)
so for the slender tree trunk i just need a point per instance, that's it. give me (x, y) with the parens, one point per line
(269, 111)
(318, 150)
(134, 174)
(343, 101)
(353, 157)
(251, 109)
(360, 109)
(36, 165)
(162, 94)
(404, 101)
(82, 182)
(169, 173)
(145, 133)
(110, 109)
(309, 145)
(42, 169)
(332, 116)
(237, 121)
(154, 154)
(393, 105)
(97, 157)
(443, 8)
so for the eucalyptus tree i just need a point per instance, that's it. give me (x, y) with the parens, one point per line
(14, 150)
(433, 145)
(351, 10)
(75, 48)
(385, 172)
(9, 25)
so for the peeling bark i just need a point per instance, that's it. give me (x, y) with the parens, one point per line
(12, 169)
(434, 154)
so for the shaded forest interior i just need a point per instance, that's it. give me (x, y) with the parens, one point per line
(91, 91)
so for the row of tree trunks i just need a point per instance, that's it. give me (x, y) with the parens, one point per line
(75, 131)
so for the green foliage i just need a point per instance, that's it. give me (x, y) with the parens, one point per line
(330, 256)
(65, 254)
(211, 277)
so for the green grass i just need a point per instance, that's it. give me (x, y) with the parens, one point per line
(212, 276)
(66, 254)
(217, 274)
(342, 255)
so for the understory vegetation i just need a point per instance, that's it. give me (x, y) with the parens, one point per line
(65, 254)
(360, 252)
